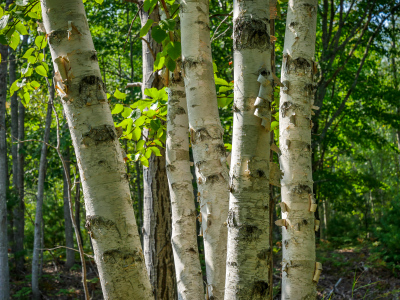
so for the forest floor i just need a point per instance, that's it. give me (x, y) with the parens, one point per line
(357, 272)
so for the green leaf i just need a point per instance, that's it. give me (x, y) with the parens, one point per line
(149, 4)
(145, 161)
(160, 61)
(140, 121)
(150, 113)
(137, 133)
(158, 34)
(274, 125)
(41, 71)
(140, 145)
(170, 63)
(142, 104)
(145, 29)
(174, 50)
(119, 95)
(167, 25)
(1, 12)
(14, 40)
(33, 15)
(21, 28)
(117, 109)
(215, 69)
(28, 52)
(223, 89)
(147, 154)
(40, 42)
(222, 102)
(127, 112)
(32, 59)
(170, 2)
(155, 150)
(3, 39)
(160, 133)
(99, 1)
(14, 87)
(220, 81)
(157, 142)
(35, 84)
(26, 99)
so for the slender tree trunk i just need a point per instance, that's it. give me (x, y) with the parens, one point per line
(4, 270)
(39, 200)
(184, 234)
(14, 136)
(157, 226)
(19, 208)
(78, 209)
(69, 234)
(206, 138)
(298, 203)
(395, 80)
(110, 218)
(249, 251)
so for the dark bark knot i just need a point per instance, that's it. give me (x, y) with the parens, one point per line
(300, 189)
(125, 258)
(286, 106)
(260, 288)
(251, 34)
(298, 65)
(263, 254)
(57, 36)
(99, 134)
(91, 91)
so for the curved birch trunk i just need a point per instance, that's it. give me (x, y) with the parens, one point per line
(184, 236)
(249, 253)
(296, 102)
(206, 138)
(110, 218)
(4, 270)
(39, 202)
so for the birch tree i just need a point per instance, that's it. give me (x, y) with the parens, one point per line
(206, 138)
(110, 218)
(299, 269)
(249, 253)
(4, 272)
(184, 237)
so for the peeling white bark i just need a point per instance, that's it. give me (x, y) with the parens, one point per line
(110, 218)
(206, 138)
(249, 253)
(296, 101)
(184, 237)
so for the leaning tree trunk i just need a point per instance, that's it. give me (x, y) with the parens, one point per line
(206, 137)
(39, 201)
(299, 269)
(69, 234)
(249, 251)
(184, 233)
(110, 218)
(157, 226)
(4, 271)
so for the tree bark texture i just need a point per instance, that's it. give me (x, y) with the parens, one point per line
(110, 218)
(296, 102)
(184, 233)
(4, 270)
(39, 203)
(206, 138)
(249, 251)
(69, 234)
(157, 225)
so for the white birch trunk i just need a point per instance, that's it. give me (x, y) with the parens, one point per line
(4, 270)
(249, 252)
(296, 101)
(39, 204)
(184, 237)
(206, 138)
(110, 217)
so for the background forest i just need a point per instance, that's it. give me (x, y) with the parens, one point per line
(355, 149)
